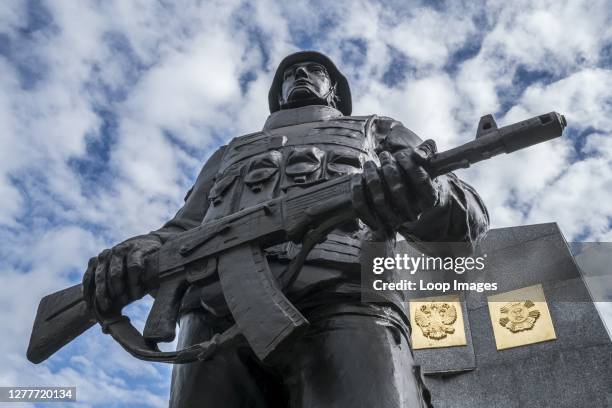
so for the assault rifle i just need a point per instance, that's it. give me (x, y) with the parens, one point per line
(230, 249)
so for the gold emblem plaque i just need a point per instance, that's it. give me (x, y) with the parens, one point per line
(437, 322)
(520, 317)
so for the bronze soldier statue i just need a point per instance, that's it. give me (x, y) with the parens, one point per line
(262, 265)
(352, 354)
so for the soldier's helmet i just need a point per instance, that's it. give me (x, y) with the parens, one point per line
(343, 91)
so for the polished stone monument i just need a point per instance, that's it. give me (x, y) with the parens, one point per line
(538, 342)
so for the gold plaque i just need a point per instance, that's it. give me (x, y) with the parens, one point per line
(520, 317)
(437, 322)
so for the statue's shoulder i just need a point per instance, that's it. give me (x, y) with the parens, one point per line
(246, 139)
(379, 123)
(355, 118)
(348, 120)
(392, 135)
(384, 124)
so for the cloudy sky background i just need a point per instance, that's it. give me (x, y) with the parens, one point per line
(108, 109)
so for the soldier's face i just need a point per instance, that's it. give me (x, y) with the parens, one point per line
(305, 81)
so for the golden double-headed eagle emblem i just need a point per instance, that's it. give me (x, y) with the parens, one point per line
(436, 319)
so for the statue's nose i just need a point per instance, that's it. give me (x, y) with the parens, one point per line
(301, 72)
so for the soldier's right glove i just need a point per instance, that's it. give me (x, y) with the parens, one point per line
(114, 278)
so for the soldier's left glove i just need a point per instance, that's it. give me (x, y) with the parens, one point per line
(401, 189)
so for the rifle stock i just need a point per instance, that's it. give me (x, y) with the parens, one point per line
(61, 317)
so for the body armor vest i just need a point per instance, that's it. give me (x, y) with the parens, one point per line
(260, 166)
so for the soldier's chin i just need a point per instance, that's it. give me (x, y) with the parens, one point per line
(303, 97)
(301, 92)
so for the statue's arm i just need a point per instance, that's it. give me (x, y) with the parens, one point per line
(461, 216)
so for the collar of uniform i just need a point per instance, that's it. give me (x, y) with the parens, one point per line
(305, 114)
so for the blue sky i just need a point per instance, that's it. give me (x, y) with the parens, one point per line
(109, 109)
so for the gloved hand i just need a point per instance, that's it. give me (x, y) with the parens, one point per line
(114, 278)
(400, 190)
